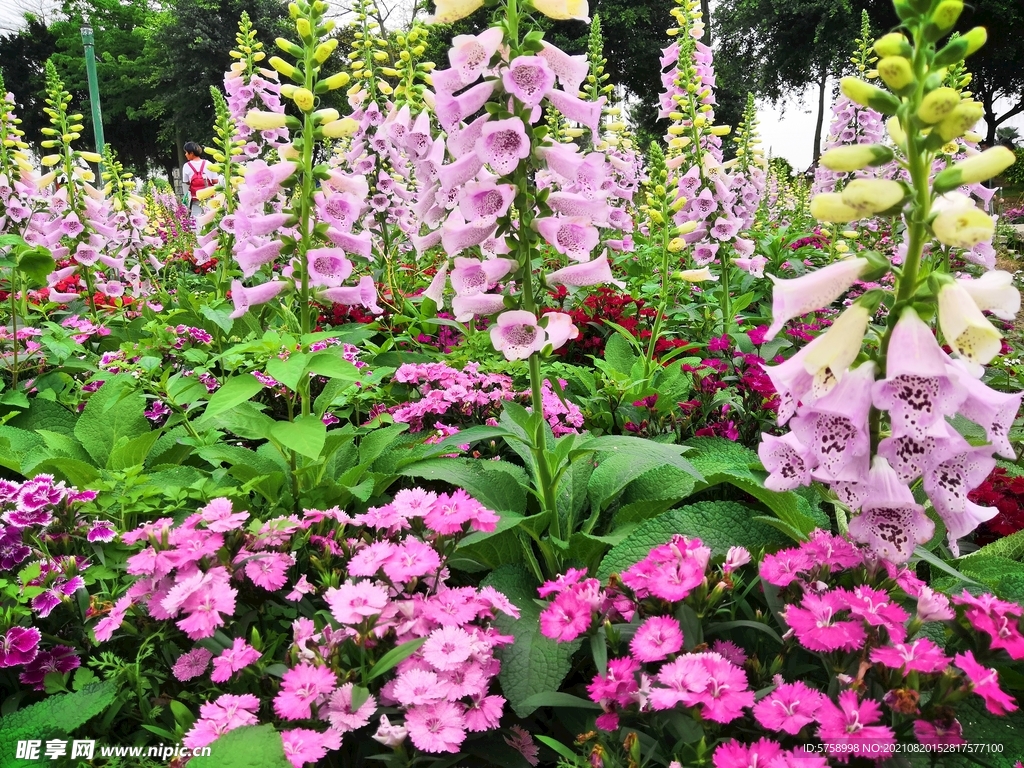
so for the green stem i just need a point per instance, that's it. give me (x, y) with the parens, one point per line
(14, 328)
(726, 298)
(660, 317)
(305, 214)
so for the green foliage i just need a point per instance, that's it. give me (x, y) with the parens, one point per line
(533, 664)
(54, 716)
(719, 524)
(251, 746)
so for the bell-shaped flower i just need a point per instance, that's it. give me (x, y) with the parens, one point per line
(450, 11)
(457, 234)
(964, 327)
(754, 265)
(263, 182)
(994, 292)
(578, 110)
(871, 196)
(246, 298)
(725, 228)
(462, 138)
(594, 272)
(570, 70)
(920, 388)
(328, 267)
(891, 523)
(787, 460)
(559, 328)
(993, 410)
(908, 455)
(829, 356)
(813, 291)
(704, 253)
(563, 10)
(364, 294)
(475, 276)
(570, 204)
(835, 427)
(465, 308)
(435, 291)
(480, 199)
(830, 207)
(470, 54)
(360, 244)
(701, 275)
(575, 237)
(417, 139)
(250, 258)
(962, 225)
(450, 110)
(949, 476)
(527, 78)
(792, 382)
(502, 144)
(517, 335)
(454, 175)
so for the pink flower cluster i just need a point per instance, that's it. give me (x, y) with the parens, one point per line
(836, 600)
(474, 396)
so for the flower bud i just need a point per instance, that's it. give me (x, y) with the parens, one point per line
(304, 99)
(264, 121)
(337, 129)
(938, 104)
(340, 80)
(696, 275)
(870, 196)
(285, 68)
(91, 157)
(288, 47)
(721, 130)
(975, 39)
(830, 207)
(50, 160)
(952, 52)
(686, 228)
(868, 95)
(293, 10)
(945, 15)
(325, 49)
(895, 131)
(896, 72)
(981, 167)
(854, 157)
(893, 44)
(676, 244)
(328, 115)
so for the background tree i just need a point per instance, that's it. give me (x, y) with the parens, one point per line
(188, 52)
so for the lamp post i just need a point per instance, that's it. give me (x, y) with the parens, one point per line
(94, 94)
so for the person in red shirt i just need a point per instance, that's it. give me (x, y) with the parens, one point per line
(196, 175)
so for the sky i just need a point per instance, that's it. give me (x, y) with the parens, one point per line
(786, 131)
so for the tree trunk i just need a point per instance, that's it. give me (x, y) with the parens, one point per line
(705, 8)
(822, 84)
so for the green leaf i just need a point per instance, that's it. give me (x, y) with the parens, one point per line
(393, 657)
(374, 443)
(46, 414)
(289, 372)
(533, 664)
(723, 461)
(133, 452)
(1010, 547)
(53, 716)
(619, 354)
(719, 524)
(306, 435)
(109, 415)
(494, 488)
(234, 391)
(559, 747)
(558, 699)
(982, 727)
(332, 365)
(251, 746)
(616, 471)
(36, 265)
(219, 317)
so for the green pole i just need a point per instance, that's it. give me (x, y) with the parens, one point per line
(94, 96)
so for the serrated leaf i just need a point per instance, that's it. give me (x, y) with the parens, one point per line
(332, 365)
(1011, 547)
(109, 415)
(533, 664)
(234, 391)
(719, 524)
(251, 746)
(619, 354)
(616, 471)
(306, 435)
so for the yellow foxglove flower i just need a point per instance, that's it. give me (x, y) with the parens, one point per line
(46, 180)
(283, 67)
(975, 38)
(701, 275)
(893, 44)
(964, 327)
(304, 99)
(337, 129)
(333, 82)
(896, 72)
(853, 157)
(450, 11)
(50, 160)
(90, 157)
(896, 132)
(873, 195)
(829, 360)
(325, 49)
(963, 226)
(264, 121)
(938, 104)
(830, 207)
(687, 226)
(963, 117)
(676, 244)
(325, 115)
(721, 130)
(981, 167)
(868, 95)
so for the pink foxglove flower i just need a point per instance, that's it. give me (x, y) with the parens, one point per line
(502, 144)
(570, 70)
(480, 199)
(813, 291)
(246, 298)
(517, 335)
(470, 54)
(328, 267)
(465, 308)
(594, 272)
(788, 461)
(528, 78)
(472, 276)
(991, 409)
(574, 236)
(949, 476)
(890, 522)
(364, 294)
